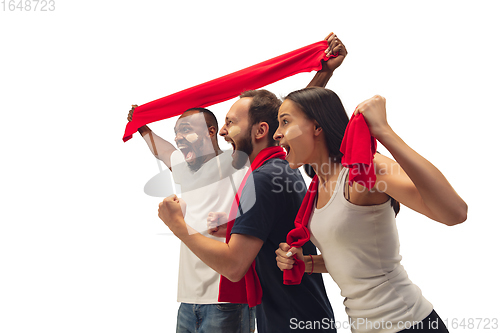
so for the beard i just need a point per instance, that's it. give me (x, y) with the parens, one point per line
(196, 164)
(242, 152)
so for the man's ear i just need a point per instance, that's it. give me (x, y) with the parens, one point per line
(261, 130)
(212, 131)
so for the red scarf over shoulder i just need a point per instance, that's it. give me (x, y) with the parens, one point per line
(248, 289)
(305, 59)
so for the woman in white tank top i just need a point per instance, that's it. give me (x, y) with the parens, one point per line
(354, 227)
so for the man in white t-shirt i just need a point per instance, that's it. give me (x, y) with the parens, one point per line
(208, 183)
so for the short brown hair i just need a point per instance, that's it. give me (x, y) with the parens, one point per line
(264, 108)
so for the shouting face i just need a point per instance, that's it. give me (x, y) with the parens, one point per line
(237, 131)
(296, 134)
(193, 139)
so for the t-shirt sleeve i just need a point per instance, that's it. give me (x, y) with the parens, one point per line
(259, 206)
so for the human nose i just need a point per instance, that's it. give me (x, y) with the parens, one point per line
(223, 131)
(277, 135)
(178, 136)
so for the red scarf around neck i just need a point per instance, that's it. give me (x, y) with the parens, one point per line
(248, 289)
(358, 147)
(300, 235)
(305, 59)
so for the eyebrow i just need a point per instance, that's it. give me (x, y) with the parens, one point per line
(283, 114)
(182, 124)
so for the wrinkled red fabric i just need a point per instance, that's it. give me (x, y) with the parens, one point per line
(305, 59)
(359, 147)
(248, 290)
(298, 236)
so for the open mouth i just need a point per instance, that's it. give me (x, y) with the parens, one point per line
(232, 144)
(287, 148)
(187, 152)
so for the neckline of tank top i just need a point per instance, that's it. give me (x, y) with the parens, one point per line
(340, 177)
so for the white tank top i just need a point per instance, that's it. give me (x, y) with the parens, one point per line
(360, 247)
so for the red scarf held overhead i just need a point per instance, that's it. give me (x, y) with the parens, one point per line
(248, 289)
(305, 59)
(358, 147)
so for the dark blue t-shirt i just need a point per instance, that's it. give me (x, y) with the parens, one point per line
(268, 211)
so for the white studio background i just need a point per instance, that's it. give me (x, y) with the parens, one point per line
(81, 246)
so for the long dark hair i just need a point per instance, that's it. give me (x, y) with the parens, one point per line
(325, 107)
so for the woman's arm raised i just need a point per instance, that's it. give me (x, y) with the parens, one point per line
(413, 180)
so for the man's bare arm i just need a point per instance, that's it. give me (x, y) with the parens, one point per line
(160, 148)
(335, 46)
(231, 260)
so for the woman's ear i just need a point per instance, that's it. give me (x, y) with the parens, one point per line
(317, 129)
